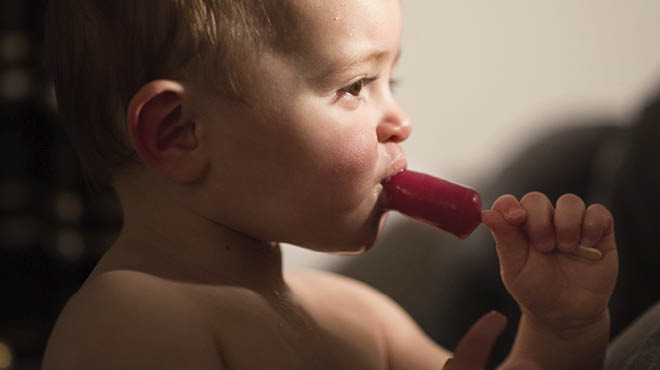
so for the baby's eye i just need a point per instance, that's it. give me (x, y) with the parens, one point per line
(355, 88)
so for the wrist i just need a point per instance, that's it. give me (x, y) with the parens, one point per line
(557, 346)
(571, 330)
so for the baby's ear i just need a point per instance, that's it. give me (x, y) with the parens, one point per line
(163, 133)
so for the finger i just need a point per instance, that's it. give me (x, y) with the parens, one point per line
(538, 227)
(567, 221)
(510, 209)
(597, 223)
(510, 241)
(474, 349)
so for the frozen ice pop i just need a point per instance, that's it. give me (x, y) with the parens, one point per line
(451, 207)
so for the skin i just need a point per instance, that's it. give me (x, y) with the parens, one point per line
(563, 298)
(195, 279)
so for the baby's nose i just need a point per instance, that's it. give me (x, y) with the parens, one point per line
(395, 126)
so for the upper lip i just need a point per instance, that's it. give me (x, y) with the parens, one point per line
(397, 162)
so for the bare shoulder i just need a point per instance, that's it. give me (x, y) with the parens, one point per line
(130, 320)
(323, 286)
(406, 345)
(347, 293)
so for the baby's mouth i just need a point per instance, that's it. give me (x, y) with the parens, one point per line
(397, 161)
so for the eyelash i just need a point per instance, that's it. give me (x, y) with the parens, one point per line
(362, 83)
(359, 84)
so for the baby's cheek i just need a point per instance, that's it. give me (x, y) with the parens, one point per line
(350, 173)
(356, 156)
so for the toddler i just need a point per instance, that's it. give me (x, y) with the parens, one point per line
(228, 126)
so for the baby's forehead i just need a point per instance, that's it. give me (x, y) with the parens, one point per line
(339, 24)
(323, 14)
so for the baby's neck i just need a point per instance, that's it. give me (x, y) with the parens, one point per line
(231, 261)
(177, 244)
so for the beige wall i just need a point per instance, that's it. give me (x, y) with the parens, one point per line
(480, 77)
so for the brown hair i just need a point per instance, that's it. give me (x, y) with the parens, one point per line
(100, 53)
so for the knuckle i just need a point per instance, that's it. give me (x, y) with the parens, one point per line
(567, 221)
(504, 199)
(599, 209)
(534, 197)
(590, 223)
(563, 227)
(536, 202)
(597, 215)
(592, 230)
(570, 199)
(540, 225)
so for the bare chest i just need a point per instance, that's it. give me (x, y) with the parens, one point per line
(259, 334)
(282, 348)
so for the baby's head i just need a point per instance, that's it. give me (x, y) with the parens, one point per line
(102, 52)
(272, 118)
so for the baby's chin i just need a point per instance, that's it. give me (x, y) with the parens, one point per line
(354, 241)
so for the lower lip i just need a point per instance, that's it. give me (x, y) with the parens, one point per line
(451, 207)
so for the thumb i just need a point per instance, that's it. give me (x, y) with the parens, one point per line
(511, 243)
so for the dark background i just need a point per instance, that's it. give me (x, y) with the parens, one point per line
(52, 230)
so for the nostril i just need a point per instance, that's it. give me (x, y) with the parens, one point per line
(399, 137)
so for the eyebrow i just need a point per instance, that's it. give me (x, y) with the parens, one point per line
(338, 68)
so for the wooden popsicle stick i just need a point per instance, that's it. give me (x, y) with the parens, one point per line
(592, 254)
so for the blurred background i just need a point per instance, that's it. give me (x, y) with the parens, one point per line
(507, 96)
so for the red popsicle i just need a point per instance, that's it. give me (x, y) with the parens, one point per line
(448, 206)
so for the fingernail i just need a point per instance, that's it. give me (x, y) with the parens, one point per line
(515, 214)
(592, 254)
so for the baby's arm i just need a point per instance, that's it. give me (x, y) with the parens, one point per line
(125, 320)
(563, 298)
(405, 345)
